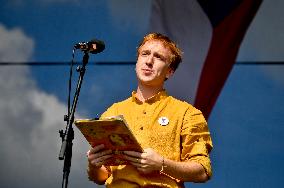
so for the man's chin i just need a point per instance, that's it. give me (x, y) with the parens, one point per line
(145, 79)
(150, 83)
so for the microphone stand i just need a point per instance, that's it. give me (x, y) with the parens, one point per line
(68, 135)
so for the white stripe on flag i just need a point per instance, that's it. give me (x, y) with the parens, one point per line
(184, 22)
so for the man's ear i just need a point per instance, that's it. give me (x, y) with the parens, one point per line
(170, 73)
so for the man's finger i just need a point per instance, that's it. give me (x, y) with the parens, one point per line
(97, 148)
(133, 153)
(100, 161)
(133, 159)
(99, 154)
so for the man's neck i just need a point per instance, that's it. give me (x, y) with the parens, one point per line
(145, 92)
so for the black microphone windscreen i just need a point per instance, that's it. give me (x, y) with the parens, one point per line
(100, 46)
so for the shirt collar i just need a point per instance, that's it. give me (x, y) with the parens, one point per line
(159, 96)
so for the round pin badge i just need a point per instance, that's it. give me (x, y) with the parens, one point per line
(163, 121)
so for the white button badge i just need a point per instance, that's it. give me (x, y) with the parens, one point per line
(163, 121)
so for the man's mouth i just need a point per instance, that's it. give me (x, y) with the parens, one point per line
(148, 71)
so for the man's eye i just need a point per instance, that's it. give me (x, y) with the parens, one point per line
(159, 57)
(143, 53)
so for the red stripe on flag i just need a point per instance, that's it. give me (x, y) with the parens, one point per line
(226, 40)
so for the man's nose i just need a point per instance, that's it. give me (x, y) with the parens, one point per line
(150, 60)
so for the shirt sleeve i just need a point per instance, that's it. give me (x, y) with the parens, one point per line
(196, 139)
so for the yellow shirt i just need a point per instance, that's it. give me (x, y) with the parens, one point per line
(175, 129)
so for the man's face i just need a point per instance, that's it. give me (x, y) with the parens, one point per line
(152, 67)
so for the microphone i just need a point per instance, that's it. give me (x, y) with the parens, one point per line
(94, 46)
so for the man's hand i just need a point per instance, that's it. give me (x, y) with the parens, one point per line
(97, 155)
(146, 162)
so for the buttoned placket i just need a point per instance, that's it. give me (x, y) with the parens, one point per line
(144, 116)
(143, 112)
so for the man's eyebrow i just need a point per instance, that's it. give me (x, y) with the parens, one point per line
(145, 50)
(159, 54)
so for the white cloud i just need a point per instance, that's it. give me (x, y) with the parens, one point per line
(30, 120)
(15, 45)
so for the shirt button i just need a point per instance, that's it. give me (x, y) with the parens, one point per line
(141, 128)
(144, 112)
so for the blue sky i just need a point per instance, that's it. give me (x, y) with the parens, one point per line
(246, 124)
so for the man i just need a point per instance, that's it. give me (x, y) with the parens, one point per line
(173, 134)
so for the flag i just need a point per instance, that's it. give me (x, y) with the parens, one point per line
(209, 32)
